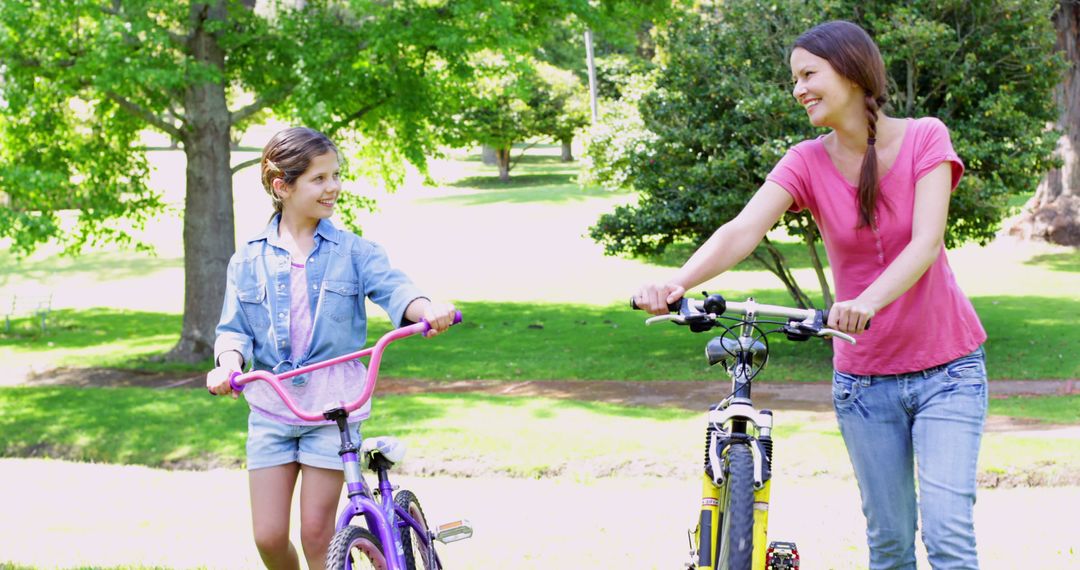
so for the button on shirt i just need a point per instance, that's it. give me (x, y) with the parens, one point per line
(260, 306)
(932, 322)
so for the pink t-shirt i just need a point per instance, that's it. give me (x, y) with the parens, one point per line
(932, 322)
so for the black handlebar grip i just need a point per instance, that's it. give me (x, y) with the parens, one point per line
(673, 307)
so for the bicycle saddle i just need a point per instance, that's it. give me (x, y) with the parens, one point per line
(389, 447)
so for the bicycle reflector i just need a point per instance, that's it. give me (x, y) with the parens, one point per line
(453, 531)
(782, 556)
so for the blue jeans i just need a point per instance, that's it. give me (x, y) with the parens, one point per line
(936, 417)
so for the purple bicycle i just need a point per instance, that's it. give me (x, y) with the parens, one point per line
(396, 535)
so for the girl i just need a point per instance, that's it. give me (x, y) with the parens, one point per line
(915, 384)
(295, 295)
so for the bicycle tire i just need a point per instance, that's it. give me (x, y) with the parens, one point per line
(418, 556)
(353, 548)
(736, 532)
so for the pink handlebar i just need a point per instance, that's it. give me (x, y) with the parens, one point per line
(238, 380)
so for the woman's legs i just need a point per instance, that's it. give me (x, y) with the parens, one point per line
(320, 490)
(876, 428)
(947, 432)
(271, 500)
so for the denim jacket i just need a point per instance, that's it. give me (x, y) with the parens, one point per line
(342, 270)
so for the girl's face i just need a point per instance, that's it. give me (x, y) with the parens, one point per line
(315, 192)
(826, 95)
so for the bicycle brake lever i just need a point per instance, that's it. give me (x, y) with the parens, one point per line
(670, 317)
(842, 336)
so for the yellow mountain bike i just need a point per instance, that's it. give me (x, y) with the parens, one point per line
(731, 532)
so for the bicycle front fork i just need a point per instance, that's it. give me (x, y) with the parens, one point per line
(705, 543)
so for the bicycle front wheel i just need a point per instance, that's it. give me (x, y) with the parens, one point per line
(354, 548)
(736, 529)
(419, 553)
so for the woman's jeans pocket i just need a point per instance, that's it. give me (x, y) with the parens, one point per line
(845, 389)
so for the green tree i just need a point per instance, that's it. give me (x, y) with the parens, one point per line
(80, 80)
(723, 115)
(500, 107)
(562, 106)
(619, 136)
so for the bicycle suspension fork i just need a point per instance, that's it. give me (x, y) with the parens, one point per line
(715, 483)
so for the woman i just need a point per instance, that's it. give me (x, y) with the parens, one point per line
(915, 384)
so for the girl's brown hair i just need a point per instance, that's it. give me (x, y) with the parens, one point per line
(288, 154)
(851, 52)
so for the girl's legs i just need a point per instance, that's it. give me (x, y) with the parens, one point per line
(320, 490)
(271, 499)
(948, 428)
(876, 427)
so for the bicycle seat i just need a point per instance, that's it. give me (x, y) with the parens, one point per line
(389, 447)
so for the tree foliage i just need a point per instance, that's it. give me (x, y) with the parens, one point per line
(80, 79)
(723, 115)
(619, 136)
(518, 100)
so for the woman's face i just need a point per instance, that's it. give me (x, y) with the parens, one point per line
(826, 95)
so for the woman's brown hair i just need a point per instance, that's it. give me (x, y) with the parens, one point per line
(288, 154)
(851, 52)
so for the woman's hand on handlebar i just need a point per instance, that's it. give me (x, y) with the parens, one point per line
(850, 316)
(655, 298)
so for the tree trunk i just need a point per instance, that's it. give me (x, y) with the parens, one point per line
(503, 155)
(488, 155)
(811, 235)
(209, 239)
(779, 267)
(1053, 214)
(567, 152)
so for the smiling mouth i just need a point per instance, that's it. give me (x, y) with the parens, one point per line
(811, 103)
(328, 203)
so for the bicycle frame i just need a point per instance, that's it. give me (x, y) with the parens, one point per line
(384, 518)
(734, 424)
(732, 417)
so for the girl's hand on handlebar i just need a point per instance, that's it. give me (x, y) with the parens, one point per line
(655, 298)
(440, 316)
(850, 316)
(217, 381)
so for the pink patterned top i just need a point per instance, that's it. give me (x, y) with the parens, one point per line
(342, 382)
(932, 322)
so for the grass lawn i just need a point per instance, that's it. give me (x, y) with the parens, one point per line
(1029, 339)
(463, 434)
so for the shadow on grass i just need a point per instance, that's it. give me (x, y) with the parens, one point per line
(140, 426)
(515, 182)
(187, 429)
(534, 158)
(69, 328)
(1030, 337)
(1066, 261)
(100, 338)
(110, 265)
(522, 189)
(523, 341)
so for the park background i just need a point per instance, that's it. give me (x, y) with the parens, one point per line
(566, 430)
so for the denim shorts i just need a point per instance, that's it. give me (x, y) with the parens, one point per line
(271, 443)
